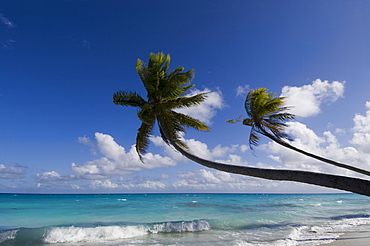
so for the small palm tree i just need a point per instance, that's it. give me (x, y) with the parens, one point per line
(165, 93)
(267, 116)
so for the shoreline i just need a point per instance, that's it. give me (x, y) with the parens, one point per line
(358, 238)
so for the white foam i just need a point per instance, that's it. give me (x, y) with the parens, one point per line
(111, 233)
(323, 234)
(7, 235)
(97, 234)
(184, 226)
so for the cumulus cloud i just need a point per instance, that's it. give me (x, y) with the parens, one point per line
(207, 109)
(326, 146)
(198, 148)
(116, 161)
(306, 100)
(12, 172)
(361, 136)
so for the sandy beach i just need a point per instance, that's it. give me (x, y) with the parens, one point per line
(361, 238)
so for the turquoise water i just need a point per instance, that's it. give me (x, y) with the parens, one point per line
(180, 219)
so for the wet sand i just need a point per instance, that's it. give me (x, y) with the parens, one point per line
(361, 238)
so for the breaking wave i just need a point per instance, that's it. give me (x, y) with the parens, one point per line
(102, 233)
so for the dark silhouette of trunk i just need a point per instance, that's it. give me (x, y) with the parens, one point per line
(287, 145)
(354, 185)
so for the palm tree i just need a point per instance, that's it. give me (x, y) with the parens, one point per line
(267, 116)
(165, 94)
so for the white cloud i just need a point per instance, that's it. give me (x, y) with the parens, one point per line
(6, 44)
(207, 109)
(76, 187)
(106, 184)
(306, 100)
(152, 185)
(217, 181)
(136, 184)
(12, 172)
(361, 136)
(326, 146)
(52, 178)
(6, 21)
(88, 142)
(234, 159)
(116, 161)
(242, 90)
(197, 148)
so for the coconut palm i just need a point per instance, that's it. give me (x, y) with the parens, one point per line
(267, 116)
(166, 92)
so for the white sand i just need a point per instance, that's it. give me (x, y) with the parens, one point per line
(361, 238)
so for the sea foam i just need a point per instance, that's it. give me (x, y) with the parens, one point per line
(74, 234)
(7, 235)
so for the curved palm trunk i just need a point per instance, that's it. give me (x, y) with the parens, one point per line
(287, 145)
(354, 185)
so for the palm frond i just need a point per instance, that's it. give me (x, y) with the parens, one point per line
(249, 122)
(190, 122)
(235, 120)
(253, 138)
(142, 138)
(282, 116)
(126, 98)
(177, 83)
(146, 114)
(185, 102)
(173, 130)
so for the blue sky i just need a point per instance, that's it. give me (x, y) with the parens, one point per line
(61, 62)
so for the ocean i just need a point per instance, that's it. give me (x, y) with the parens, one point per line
(180, 219)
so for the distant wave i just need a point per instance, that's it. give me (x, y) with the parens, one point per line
(350, 216)
(75, 234)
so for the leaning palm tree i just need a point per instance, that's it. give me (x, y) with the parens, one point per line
(166, 92)
(267, 116)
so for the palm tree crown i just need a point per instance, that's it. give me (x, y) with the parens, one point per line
(265, 115)
(165, 93)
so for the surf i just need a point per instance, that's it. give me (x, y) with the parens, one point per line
(99, 233)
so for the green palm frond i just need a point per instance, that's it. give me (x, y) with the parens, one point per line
(253, 139)
(142, 138)
(266, 115)
(176, 84)
(126, 98)
(190, 122)
(173, 130)
(282, 116)
(146, 114)
(185, 102)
